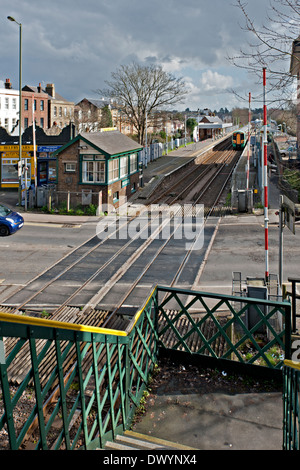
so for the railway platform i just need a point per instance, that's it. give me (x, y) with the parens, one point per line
(161, 168)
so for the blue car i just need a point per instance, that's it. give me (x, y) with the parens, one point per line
(10, 221)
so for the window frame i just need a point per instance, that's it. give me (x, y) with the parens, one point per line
(94, 165)
(114, 171)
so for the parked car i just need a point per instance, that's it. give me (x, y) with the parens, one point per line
(10, 221)
(288, 151)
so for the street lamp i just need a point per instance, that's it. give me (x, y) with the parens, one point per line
(10, 18)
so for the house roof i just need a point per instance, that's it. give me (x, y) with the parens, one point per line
(35, 90)
(111, 142)
(212, 119)
(97, 103)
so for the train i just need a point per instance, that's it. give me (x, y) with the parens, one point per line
(239, 139)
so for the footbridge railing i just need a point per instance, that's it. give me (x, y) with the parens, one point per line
(291, 405)
(69, 386)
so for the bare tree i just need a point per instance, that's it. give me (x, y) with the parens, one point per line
(272, 46)
(139, 90)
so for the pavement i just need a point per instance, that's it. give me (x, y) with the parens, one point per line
(200, 409)
(179, 412)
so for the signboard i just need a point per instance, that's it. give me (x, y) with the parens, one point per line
(48, 148)
(288, 209)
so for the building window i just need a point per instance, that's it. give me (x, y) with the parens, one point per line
(133, 163)
(60, 111)
(6, 103)
(113, 170)
(14, 103)
(34, 105)
(26, 104)
(6, 123)
(26, 123)
(93, 171)
(123, 167)
(42, 123)
(70, 167)
(116, 196)
(55, 111)
(42, 105)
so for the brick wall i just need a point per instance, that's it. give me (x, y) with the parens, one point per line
(70, 181)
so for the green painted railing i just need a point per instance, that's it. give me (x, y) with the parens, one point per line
(291, 405)
(67, 386)
(240, 329)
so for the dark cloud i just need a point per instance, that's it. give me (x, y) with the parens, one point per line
(78, 44)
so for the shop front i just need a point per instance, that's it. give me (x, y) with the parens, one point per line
(46, 164)
(9, 164)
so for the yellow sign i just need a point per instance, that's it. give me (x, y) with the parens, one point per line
(108, 129)
(15, 148)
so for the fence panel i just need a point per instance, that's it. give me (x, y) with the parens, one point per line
(291, 405)
(66, 386)
(69, 386)
(217, 326)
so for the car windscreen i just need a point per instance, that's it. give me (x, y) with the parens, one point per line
(4, 211)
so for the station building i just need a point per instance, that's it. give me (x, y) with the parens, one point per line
(210, 127)
(101, 167)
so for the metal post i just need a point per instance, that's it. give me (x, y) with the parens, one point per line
(34, 146)
(266, 181)
(280, 242)
(10, 18)
(146, 141)
(248, 152)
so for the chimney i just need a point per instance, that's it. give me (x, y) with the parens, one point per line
(39, 88)
(50, 89)
(8, 84)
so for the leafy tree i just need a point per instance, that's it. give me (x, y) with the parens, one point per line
(191, 123)
(139, 90)
(106, 117)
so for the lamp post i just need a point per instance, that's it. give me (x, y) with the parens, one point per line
(10, 18)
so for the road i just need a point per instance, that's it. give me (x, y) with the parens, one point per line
(34, 248)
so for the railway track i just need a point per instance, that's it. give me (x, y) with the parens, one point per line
(80, 274)
(132, 259)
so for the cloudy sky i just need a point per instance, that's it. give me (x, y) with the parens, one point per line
(76, 44)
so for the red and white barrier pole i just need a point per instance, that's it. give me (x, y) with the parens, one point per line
(248, 152)
(266, 215)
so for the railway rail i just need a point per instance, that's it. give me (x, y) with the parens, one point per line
(212, 173)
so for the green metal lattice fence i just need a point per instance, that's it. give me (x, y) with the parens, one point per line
(78, 386)
(291, 405)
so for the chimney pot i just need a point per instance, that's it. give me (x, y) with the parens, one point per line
(8, 84)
